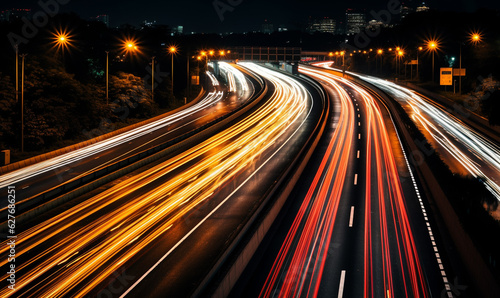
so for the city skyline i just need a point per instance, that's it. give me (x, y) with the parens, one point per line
(220, 16)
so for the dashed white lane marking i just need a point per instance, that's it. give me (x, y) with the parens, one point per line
(351, 218)
(341, 286)
(449, 293)
(358, 154)
(356, 179)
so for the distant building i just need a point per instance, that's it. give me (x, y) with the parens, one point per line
(14, 14)
(405, 10)
(148, 24)
(103, 18)
(375, 25)
(282, 28)
(422, 8)
(340, 30)
(325, 25)
(177, 30)
(267, 27)
(355, 21)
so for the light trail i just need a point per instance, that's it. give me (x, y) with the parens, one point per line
(100, 239)
(297, 270)
(308, 239)
(476, 154)
(237, 81)
(77, 155)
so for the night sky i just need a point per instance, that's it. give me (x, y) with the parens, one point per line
(200, 15)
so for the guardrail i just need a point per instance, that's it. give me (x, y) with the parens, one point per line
(228, 269)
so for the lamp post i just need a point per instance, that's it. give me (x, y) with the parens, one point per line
(432, 46)
(343, 63)
(172, 50)
(475, 38)
(17, 71)
(188, 82)
(418, 52)
(153, 78)
(22, 102)
(400, 57)
(379, 53)
(107, 77)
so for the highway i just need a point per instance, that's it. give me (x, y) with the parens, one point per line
(465, 150)
(42, 176)
(356, 225)
(163, 227)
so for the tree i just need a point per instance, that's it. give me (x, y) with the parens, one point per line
(8, 112)
(129, 97)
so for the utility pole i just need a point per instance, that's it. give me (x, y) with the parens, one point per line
(22, 103)
(153, 78)
(17, 72)
(107, 77)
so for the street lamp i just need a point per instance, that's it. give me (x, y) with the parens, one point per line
(379, 53)
(432, 45)
(418, 52)
(22, 102)
(107, 77)
(153, 78)
(400, 57)
(17, 71)
(172, 50)
(61, 40)
(474, 38)
(343, 64)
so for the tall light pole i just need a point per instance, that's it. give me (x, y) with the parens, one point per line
(432, 46)
(418, 52)
(107, 77)
(188, 79)
(379, 53)
(153, 78)
(22, 102)
(17, 71)
(343, 62)
(400, 57)
(172, 50)
(475, 38)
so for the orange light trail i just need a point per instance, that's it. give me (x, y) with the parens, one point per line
(100, 241)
